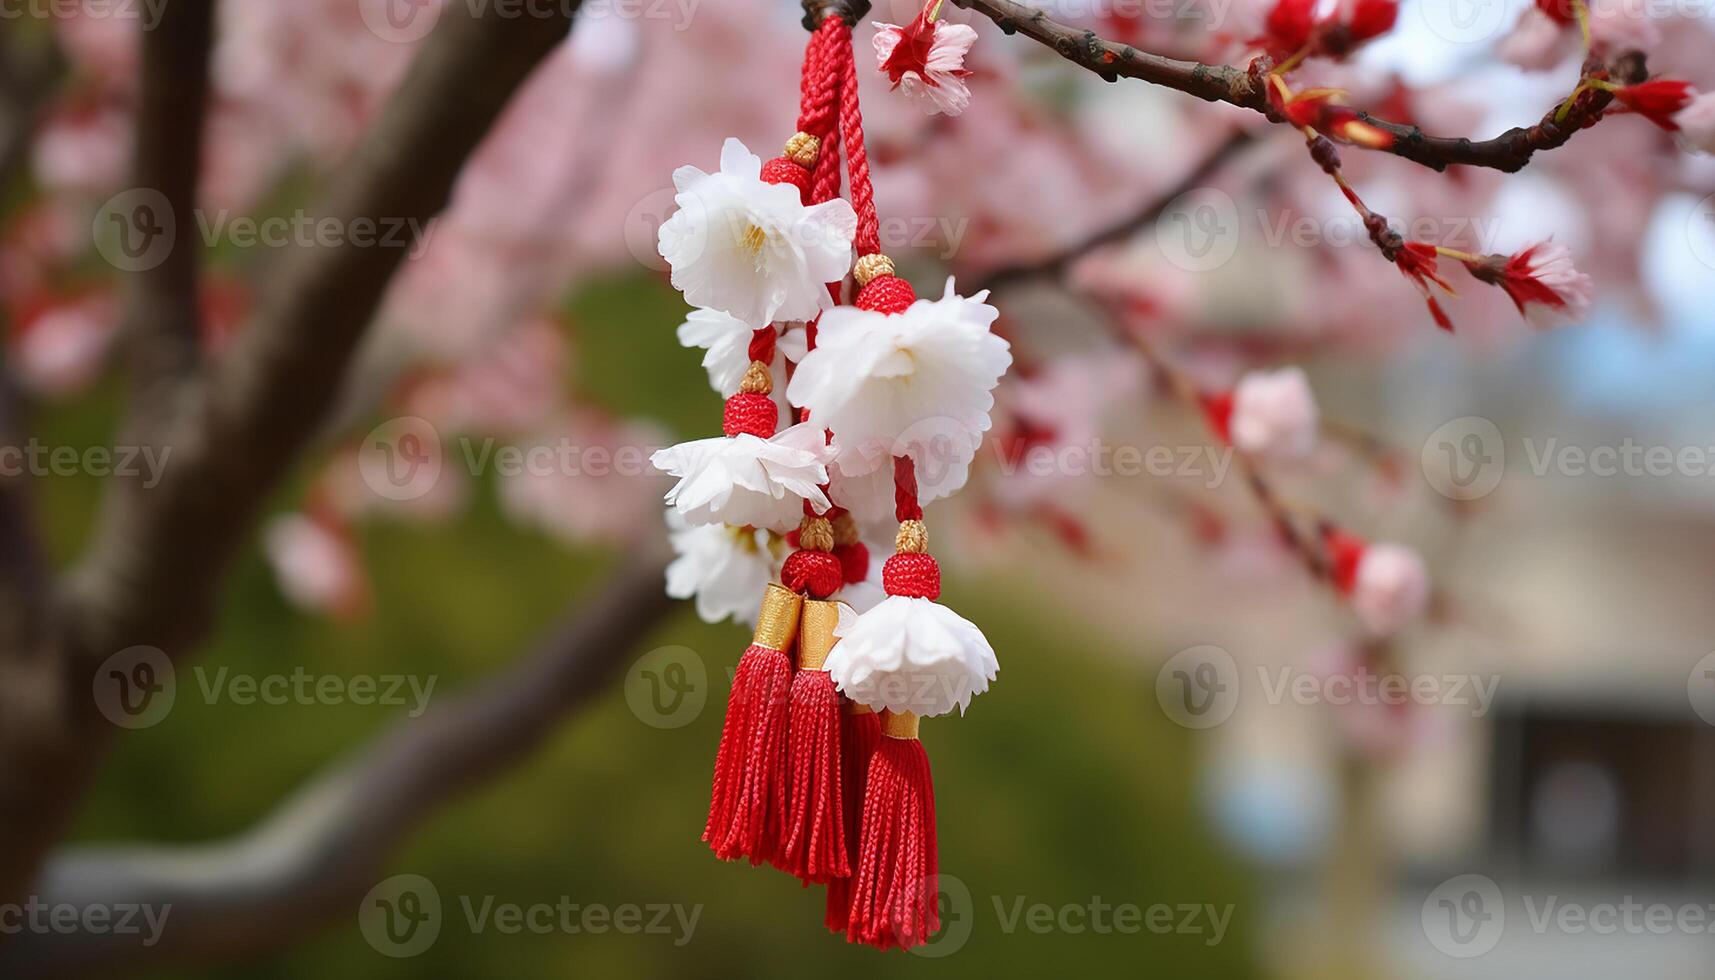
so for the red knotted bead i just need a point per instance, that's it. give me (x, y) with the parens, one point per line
(912, 574)
(783, 171)
(815, 573)
(854, 560)
(750, 412)
(886, 294)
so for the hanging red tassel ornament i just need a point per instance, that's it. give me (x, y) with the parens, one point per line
(860, 736)
(748, 800)
(813, 844)
(895, 883)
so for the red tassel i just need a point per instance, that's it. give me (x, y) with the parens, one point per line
(813, 843)
(747, 806)
(860, 735)
(895, 886)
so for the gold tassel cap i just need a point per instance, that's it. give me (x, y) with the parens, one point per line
(777, 622)
(901, 725)
(816, 633)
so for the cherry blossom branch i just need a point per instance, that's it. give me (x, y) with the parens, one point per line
(1280, 514)
(308, 865)
(161, 323)
(1248, 89)
(153, 569)
(1057, 262)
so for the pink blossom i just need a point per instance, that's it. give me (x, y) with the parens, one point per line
(1697, 123)
(59, 349)
(1274, 414)
(1542, 282)
(927, 59)
(1536, 43)
(316, 564)
(1390, 588)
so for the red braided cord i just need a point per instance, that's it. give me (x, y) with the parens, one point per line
(762, 345)
(905, 505)
(825, 179)
(857, 158)
(821, 79)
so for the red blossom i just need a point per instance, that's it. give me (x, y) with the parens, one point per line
(1372, 18)
(1657, 100)
(1559, 11)
(1292, 26)
(911, 55)
(1418, 261)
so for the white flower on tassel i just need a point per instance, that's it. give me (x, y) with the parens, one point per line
(917, 383)
(911, 654)
(1390, 589)
(723, 568)
(752, 249)
(726, 343)
(744, 480)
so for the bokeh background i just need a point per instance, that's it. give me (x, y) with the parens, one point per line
(1325, 838)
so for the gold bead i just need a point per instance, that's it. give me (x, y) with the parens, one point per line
(802, 149)
(816, 534)
(757, 380)
(913, 538)
(870, 266)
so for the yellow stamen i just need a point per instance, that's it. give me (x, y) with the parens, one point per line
(752, 239)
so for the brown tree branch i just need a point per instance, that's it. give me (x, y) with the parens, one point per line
(1246, 88)
(161, 323)
(310, 863)
(157, 556)
(1057, 263)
